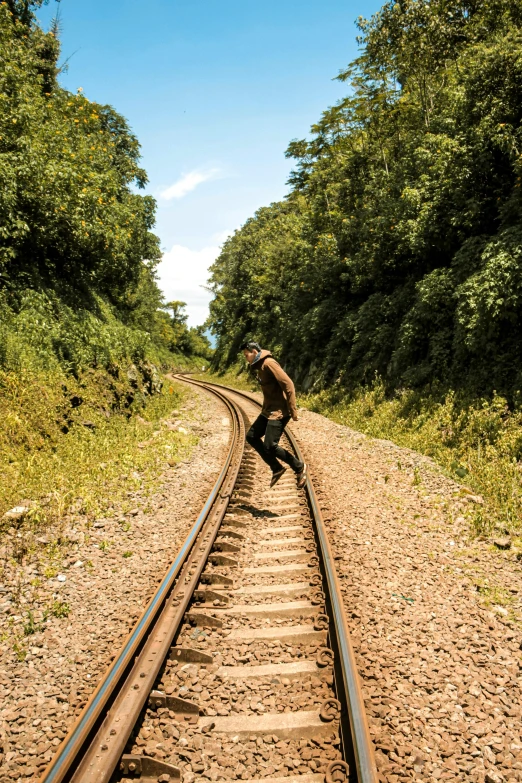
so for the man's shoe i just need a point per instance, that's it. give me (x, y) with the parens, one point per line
(302, 476)
(276, 476)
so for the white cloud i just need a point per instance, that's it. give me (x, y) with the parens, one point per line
(182, 274)
(188, 182)
(222, 236)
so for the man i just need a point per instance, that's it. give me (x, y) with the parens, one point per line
(278, 407)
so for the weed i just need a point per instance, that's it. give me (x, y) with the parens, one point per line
(128, 554)
(31, 626)
(80, 469)
(104, 545)
(50, 572)
(60, 609)
(416, 477)
(19, 650)
(125, 526)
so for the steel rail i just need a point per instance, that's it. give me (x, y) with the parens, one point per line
(362, 747)
(81, 747)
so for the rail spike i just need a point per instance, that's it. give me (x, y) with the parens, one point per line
(337, 772)
(330, 710)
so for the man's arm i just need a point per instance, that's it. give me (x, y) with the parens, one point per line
(285, 383)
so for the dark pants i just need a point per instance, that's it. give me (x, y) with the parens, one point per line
(269, 450)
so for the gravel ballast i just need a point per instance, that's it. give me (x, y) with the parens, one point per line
(113, 569)
(435, 615)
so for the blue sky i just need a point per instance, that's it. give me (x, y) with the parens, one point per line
(214, 90)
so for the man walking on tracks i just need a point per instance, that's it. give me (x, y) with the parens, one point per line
(278, 407)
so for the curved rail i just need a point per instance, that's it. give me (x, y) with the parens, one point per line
(96, 743)
(81, 746)
(362, 746)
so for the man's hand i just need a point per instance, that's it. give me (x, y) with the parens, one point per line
(295, 418)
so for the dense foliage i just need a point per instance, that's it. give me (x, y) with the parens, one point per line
(77, 252)
(398, 250)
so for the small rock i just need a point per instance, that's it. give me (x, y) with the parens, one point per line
(502, 543)
(15, 514)
(492, 776)
(478, 499)
(61, 577)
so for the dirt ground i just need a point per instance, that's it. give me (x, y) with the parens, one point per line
(111, 570)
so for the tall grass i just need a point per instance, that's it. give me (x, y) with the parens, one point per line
(477, 441)
(75, 397)
(68, 443)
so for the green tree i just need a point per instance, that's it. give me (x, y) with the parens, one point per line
(78, 254)
(397, 250)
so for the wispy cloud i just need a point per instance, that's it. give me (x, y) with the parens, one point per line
(188, 182)
(222, 236)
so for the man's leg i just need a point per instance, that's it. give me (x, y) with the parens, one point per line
(274, 430)
(254, 435)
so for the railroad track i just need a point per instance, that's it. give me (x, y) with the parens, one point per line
(241, 666)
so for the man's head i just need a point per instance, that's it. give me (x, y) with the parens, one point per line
(250, 351)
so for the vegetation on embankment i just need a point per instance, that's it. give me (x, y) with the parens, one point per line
(398, 250)
(477, 442)
(81, 445)
(84, 328)
(76, 241)
(397, 253)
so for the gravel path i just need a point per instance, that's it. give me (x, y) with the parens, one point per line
(435, 616)
(112, 570)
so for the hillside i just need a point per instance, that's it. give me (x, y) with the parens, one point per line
(84, 329)
(391, 273)
(397, 250)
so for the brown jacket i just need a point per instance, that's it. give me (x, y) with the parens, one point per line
(278, 389)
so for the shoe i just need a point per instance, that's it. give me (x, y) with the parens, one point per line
(276, 476)
(302, 476)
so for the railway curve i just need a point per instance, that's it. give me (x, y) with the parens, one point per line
(241, 662)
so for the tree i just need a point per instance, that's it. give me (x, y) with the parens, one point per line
(397, 250)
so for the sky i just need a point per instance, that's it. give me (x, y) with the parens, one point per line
(214, 90)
